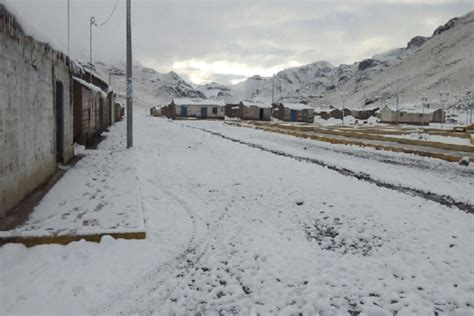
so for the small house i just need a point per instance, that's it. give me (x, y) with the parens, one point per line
(248, 110)
(293, 112)
(256, 111)
(198, 108)
(337, 113)
(233, 111)
(411, 115)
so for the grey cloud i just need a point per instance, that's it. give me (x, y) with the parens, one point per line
(257, 34)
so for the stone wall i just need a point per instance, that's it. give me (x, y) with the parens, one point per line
(28, 74)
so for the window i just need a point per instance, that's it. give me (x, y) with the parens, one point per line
(214, 110)
(304, 112)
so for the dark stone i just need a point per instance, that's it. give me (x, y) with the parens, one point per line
(417, 41)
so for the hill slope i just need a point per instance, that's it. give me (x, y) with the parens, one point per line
(444, 62)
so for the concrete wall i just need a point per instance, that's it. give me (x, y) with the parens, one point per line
(389, 116)
(194, 110)
(301, 115)
(253, 113)
(28, 72)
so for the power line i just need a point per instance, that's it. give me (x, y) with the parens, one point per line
(111, 14)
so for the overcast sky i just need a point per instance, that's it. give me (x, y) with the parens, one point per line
(227, 41)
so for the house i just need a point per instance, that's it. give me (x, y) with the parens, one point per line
(168, 111)
(36, 112)
(411, 115)
(323, 111)
(233, 111)
(337, 113)
(248, 110)
(93, 109)
(197, 108)
(256, 111)
(293, 112)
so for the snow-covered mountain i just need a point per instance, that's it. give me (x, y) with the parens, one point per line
(320, 78)
(150, 87)
(426, 65)
(444, 62)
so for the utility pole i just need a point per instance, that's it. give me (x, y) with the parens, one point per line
(396, 113)
(424, 101)
(443, 95)
(129, 79)
(273, 89)
(92, 22)
(68, 28)
(343, 108)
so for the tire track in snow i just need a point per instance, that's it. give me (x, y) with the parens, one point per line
(440, 199)
(135, 299)
(185, 269)
(128, 300)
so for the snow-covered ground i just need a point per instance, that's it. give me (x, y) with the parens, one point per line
(233, 229)
(435, 138)
(100, 194)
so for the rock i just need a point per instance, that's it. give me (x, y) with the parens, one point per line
(417, 41)
(464, 161)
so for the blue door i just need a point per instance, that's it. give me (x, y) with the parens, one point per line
(293, 115)
(184, 111)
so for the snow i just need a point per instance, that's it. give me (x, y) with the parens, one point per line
(257, 104)
(236, 230)
(29, 29)
(91, 86)
(297, 106)
(99, 194)
(202, 102)
(348, 120)
(435, 138)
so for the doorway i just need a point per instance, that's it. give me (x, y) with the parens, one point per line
(184, 111)
(293, 115)
(59, 100)
(203, 113)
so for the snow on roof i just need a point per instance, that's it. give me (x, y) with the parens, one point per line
(297, 106)
(90, 86)
(415, 110)
(256, 103)
(19, 26)
(202, 102)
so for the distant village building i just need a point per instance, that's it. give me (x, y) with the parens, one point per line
(233, 110)
(416, 116)
(293, 112)
(36, 120)
(195, 108)
(337, 113)
(256, 111)
(248, 110)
